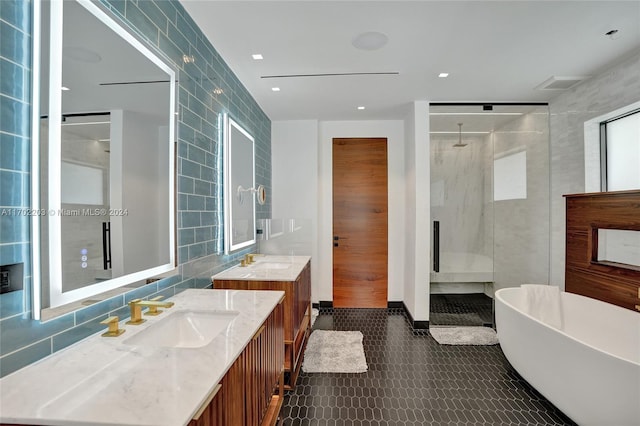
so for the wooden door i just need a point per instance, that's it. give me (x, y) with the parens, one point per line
(360, 223)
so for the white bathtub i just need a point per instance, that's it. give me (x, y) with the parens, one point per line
(589, 369)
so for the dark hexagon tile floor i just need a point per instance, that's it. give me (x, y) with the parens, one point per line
(412, 380)
(460, 309)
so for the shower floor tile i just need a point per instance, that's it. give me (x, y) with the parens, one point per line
(412, 380)
(460, 309)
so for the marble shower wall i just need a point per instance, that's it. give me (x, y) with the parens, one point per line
(459, 183)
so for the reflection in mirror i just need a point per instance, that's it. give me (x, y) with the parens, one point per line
(106, 156)
(240, 190)
(290, 236)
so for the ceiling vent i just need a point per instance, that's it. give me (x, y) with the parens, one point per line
(560, 83)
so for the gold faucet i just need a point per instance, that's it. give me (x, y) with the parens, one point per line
(154, 304)
(113, 331)
(136, 309)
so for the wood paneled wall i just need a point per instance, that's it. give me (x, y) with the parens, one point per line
(607, 281)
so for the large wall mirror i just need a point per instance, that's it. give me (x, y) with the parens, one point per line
(106, 181)
(239, 187)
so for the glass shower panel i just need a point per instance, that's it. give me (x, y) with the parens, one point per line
(521, 193)
(489, 206)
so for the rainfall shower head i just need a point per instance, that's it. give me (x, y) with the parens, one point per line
(459, 144)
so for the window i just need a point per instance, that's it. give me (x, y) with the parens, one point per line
(620, 152)
(510, 177)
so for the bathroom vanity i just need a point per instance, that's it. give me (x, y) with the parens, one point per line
(227, 372)
(291, 274)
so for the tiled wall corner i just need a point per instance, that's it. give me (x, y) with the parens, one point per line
(167, 26)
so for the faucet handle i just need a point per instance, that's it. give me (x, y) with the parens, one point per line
(153, 309)
(113, 330)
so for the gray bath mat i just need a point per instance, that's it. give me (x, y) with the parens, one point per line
(464, 335)
(331, 351)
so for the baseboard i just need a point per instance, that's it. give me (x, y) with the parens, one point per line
(417, 325)
(329, 304)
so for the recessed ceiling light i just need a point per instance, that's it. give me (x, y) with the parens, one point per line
(371, 40)
(64, 88)
(188, 59)
(257, 56)
(275, 89)
(218, 91)
(443, 75)
(361, 107)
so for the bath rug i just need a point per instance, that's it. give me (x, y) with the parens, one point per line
(314, 315)
(331, 351)
(464, 335)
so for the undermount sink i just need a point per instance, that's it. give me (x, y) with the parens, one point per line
(271, 265)
(184, 329)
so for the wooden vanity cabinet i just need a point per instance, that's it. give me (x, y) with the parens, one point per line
(252, 390)
(297, 315)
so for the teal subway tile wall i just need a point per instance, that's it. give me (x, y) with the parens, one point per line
(15, 98)
(167, 26)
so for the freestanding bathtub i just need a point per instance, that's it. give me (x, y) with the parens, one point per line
(589, 369)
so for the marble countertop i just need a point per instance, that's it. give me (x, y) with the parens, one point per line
(103, 381)
(266, 268)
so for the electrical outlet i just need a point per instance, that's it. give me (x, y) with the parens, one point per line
(11, 277)
(5, 282)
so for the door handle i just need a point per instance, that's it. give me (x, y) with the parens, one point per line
(436, 246)
(336, 238)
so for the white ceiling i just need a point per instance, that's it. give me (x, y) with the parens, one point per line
(494, 51)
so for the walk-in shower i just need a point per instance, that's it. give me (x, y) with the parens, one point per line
(489, 200)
